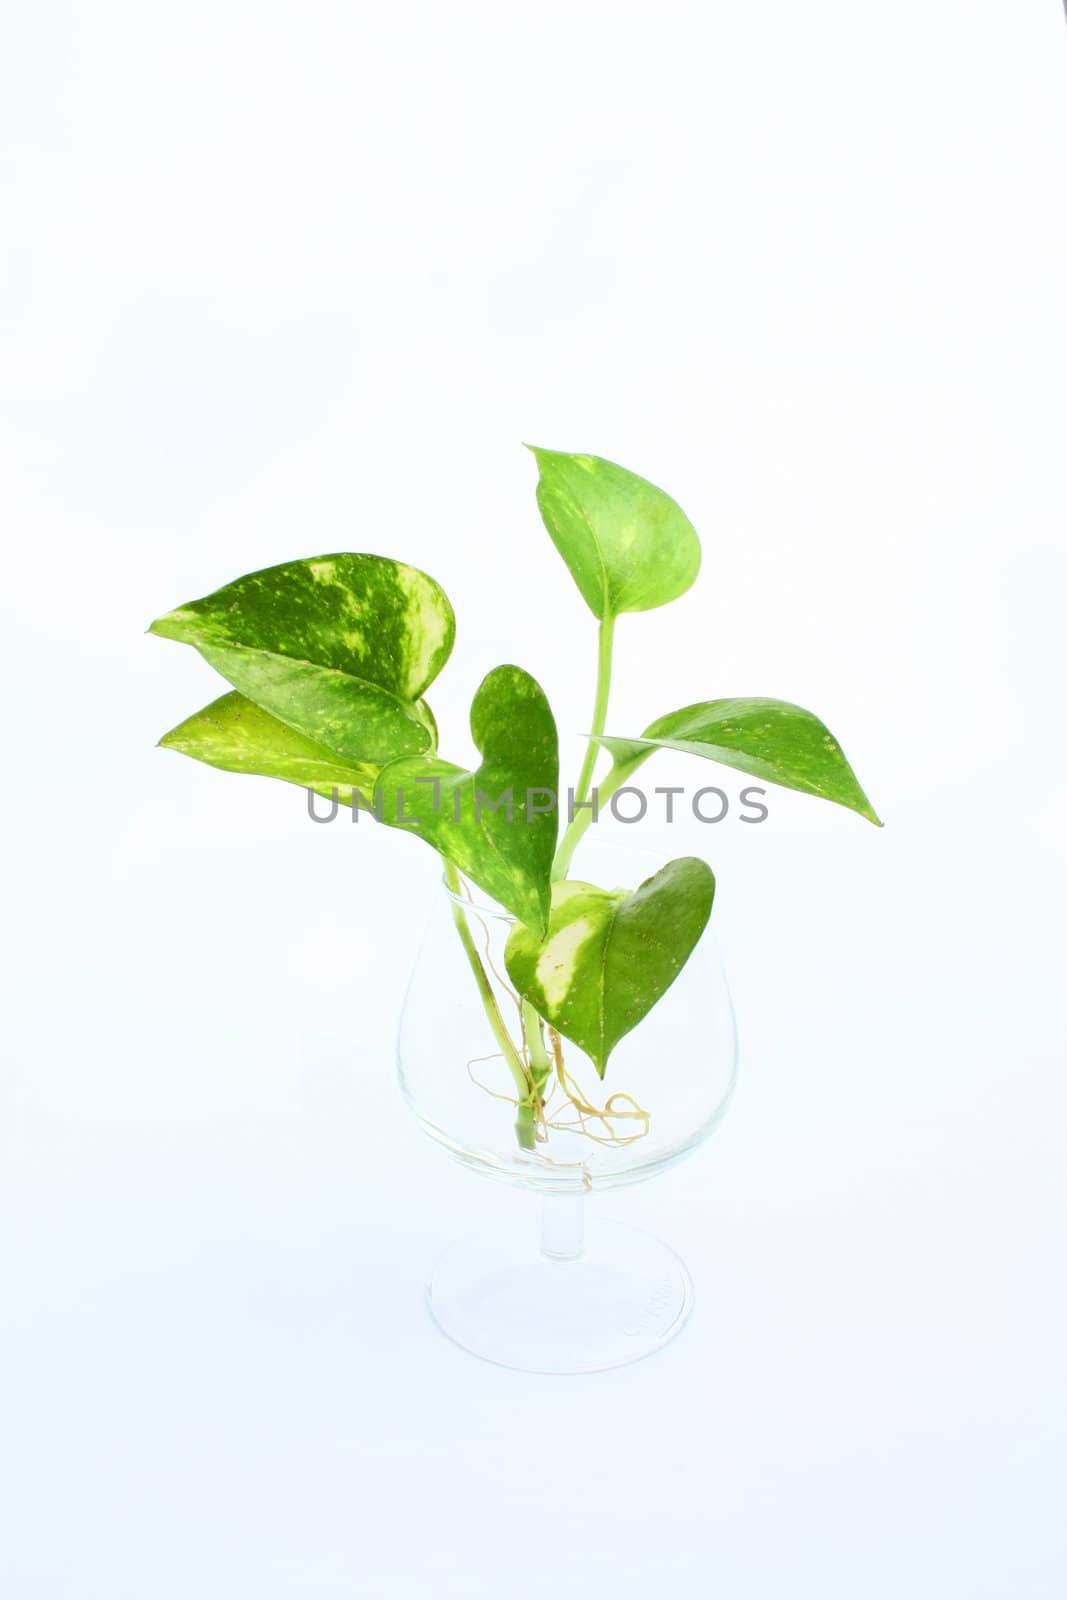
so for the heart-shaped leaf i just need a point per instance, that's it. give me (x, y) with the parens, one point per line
(628, 545)
(508, 850)
(609, 955)
(769, 739)
(338, 647)
(237, 735)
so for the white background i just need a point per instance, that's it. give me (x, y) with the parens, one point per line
(280, 279)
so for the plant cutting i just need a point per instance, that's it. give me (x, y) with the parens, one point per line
(329, 660)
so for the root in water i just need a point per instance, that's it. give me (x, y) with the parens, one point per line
(565, 1108)
(562, 1107)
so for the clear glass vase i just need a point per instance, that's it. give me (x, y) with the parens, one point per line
(574, 1294)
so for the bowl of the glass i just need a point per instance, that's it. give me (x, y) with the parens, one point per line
(464, 1037)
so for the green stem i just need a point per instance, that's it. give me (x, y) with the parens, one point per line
(575, 831)
(583, 818)
(530, 1080)
(540, 1064)
(600, 707)
(524, 1125)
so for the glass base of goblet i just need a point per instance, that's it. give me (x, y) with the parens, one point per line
(587, 1297)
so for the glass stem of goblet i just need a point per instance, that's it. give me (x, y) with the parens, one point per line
(562, 1226)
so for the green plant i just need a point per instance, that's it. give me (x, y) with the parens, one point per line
(329, 659)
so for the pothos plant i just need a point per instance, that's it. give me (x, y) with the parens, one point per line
(329, 660)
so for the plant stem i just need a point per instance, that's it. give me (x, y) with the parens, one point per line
(600, 707)
(524, 1125)
(530, 1080)
(583, 818)
(540, 1064)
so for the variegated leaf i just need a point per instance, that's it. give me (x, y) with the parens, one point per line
(609, 955)
(768, 739)
(338, 647)
(497, 824)
(237, 735)
(628, 545)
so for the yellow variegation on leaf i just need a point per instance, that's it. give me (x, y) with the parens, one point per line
(341, 648)
(769, 739)
(497, 824)
(609, 955)
(629, 546)
(235, 734)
